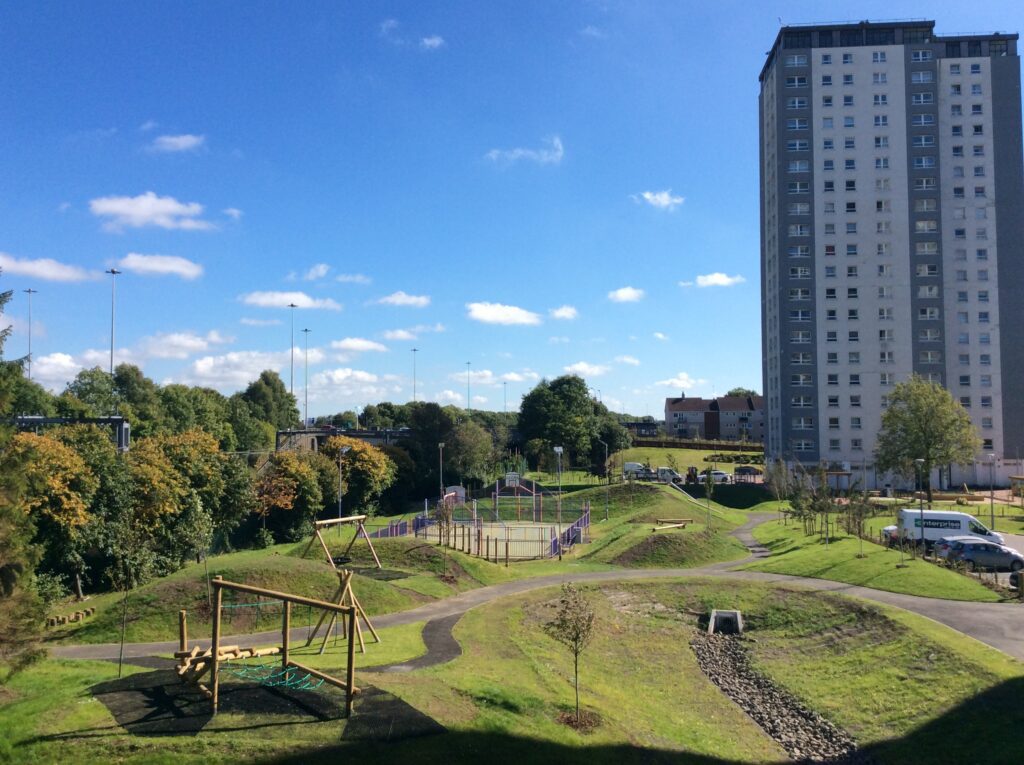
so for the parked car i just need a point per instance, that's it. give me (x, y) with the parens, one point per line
(646, 475)
(986, 555)
(668, 475)
(717, 476)
(945, 545)
(747, 470)
(942, 523)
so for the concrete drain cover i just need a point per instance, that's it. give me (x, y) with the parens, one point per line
(725, 623)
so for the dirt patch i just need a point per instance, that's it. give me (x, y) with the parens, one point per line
(629, 603)
(666, 549)
(587, 722)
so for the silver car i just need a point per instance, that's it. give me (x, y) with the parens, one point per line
(944, 545)
(986, 555)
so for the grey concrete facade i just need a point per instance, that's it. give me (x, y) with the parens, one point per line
(892, 230)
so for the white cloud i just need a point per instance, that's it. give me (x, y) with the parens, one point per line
(411, 333)
(148, 125)
(449, 397)
(498, 313)
(593, 32)
(357, 345)
(177, 143)
(432, 43)
(353, 279)
(319, 271)
(626, 295)
(272, 299)
(387, 27)
(180, 345)
(148, 210)
(558, 340)
(259, 322)
(44, 268)
(342, 375)
(685, 284)
(631, 360)
(404, 299)
(234, 370)
(479, 399)
(54, 370)
(681, 381)
(662, 200)
(584, 369)
(232, 212)
(160, 265)
(551, 155)
(660, 336)
(567, 312)
(718, 279)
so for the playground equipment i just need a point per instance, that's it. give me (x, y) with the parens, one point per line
(344, 596)
(195, 663)
(358, 520)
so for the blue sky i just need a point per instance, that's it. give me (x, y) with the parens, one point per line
(529, 187)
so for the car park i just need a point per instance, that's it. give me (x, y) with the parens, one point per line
(978, 554)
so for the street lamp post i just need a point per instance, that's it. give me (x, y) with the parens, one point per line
(991, 490)
(291, 382)
(504, 395)
(440, 467)
(113, 273)
(608, 478)
(414, 352)
(919, 465)
(341, 453)
(558, 453)
(305, 382)
(30, 292)
(469, 405)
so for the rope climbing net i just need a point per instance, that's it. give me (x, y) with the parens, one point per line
(272, 675)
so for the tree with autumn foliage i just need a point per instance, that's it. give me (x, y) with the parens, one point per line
(59, 491)
(288, 496)
(366, 472)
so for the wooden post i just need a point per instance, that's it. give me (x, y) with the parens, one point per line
(350, 672)
(182, 630)
(506, 553)
(286, 630)
(218, 599)
(323, 544)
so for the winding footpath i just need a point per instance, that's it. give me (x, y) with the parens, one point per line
(1000, 625)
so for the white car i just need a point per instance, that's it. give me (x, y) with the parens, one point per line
(719, 476)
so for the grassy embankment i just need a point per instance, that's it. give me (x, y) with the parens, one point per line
(412, 569)
(898, 683)
(797, 554)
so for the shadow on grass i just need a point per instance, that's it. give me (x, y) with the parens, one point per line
(984, 728)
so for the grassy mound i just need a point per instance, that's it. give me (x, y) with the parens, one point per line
(679, 549)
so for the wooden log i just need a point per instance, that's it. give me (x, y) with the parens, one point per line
(674, 520)
(218, 598)
(670, 527)
(336, 521)
(182, 630)
(350, 670)
(321, 675)
(286, 628)
(373, 552)
(323, 544)
(297, 599)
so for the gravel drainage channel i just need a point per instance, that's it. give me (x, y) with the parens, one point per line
(805, 735)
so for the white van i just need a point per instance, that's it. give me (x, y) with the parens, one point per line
(632, 468)
(942, 523)
(668, 475)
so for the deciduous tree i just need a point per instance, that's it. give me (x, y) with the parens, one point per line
(924, 421)
(573, 627)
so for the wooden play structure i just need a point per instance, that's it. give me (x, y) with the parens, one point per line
(344, 596)
(358, 520)
(77, 616)
(665, 524)
(195, 663)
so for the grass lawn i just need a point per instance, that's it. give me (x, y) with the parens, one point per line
(684, 458)
(898, 683)
(799, 555)
(1008, 518)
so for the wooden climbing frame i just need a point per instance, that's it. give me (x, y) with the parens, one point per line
(195, 663)
(358, 520)
(671, 523)
(344, 596)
